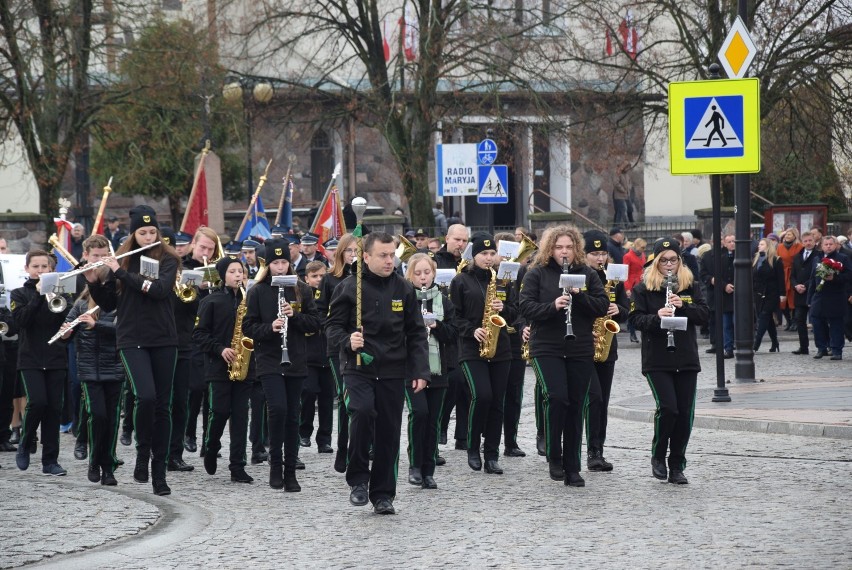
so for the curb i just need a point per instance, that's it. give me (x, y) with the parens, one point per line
(741, 424)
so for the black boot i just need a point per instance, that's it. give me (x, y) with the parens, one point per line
(540, 445)
(774, 347)
(557, 473)
(415, 476)
(474, 460)
(276, 476)
(291, 485)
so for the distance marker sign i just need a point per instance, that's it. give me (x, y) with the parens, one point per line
(714, 126)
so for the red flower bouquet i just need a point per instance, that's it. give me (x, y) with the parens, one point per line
(826, 268)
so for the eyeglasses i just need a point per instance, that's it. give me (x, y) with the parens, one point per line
(669, 260)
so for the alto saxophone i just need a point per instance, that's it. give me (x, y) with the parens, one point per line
(491, 321)
(242, 345)
(604, 328)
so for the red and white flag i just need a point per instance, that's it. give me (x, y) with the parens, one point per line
(196, 211)
(410, 33)
(629, 35)
(329, 221)
(386, 40)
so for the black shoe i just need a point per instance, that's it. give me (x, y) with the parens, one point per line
(729, 354)
(573, 479)
(94, 473)
(324, 448)
(258, 458)
(711, 350)
(774, 347)
(474, 460)
(384, 507)
(210, 463)
(161, 488)
(188, 443)
(358, 495)
(126, 438)
(514, 452)
(414, 476)
(540, 446)
(443, 440)
(801, 351)
(557, 473)
(108, 479)
(276, 476)
(491, 466)
(291, 485)
(658, 469)
(299, 464)
(80, 452)
(596, 462)
(179, 465)
(677, 477)
(240, 476)
(460, 444)
(15, 438)
(633, 337)
(440, 461)
(7, 446)
(140, 473)
(305, 441)
(836, 357)
(794, 327)
(820, 354)
(756, 347)
(429, 482)
(53, 469)
(340, 461)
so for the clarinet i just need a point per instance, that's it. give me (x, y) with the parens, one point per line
(285, 354)
(569, 325)
(671, 280)
(423, 310)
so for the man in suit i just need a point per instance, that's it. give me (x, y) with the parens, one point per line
(803, 263)
(726, 281)
(826, 312)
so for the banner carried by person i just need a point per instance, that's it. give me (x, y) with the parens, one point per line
(257, 224)
(195, 215)
(329, 220)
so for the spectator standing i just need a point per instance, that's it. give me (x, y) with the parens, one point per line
(114, 233)
(789, 246)
(635, 261)
(614, 247)
(826, 313)
(440, 218)
(768, 281)
(800, 277)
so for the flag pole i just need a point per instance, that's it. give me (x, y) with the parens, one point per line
(254, 196)
(198, 172)
(326, 197)
(283, 193)
(102, 207)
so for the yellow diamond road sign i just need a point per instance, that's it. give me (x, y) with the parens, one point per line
(714, 126)
(737, 51)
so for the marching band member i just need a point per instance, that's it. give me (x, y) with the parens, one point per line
(672, 375)
(102, 380)
(43, 367)
(229, 399)
(343, 265)
(425, 407)
(394, 336)
(265, 320)
(146, 338)
(486, 377)
(563, 366)
(597, 403)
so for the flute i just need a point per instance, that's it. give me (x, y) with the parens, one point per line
(101, 262)
(71, 326)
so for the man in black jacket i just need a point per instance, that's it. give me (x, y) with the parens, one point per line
(803, 264)
(393, 334)
(726, 280)
(827, 298)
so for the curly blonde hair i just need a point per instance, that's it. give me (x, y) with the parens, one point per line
(548, 240)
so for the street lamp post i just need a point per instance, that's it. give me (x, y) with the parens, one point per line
(249, 91)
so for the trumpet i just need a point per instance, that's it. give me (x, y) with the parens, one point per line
(101, 262)
(569, 325)
(56, 303)
(185, 291)
(405, 249)
(4, 328)
(71, 326)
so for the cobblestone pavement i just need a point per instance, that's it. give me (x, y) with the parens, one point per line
(754, 499)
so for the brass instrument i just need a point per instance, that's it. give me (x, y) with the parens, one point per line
(405, 249)
(56, 303)
(569, 325)
(185, 291)
(57, 248)
(525, 349)
(604, 328)
(261, 270)
(671, 283)
(242, 345)
(491, 321)
(528, 247)
(4, 328)
(462, 265)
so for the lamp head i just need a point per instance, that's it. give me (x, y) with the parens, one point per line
(359, 206)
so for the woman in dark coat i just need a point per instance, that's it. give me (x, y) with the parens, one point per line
(767, 271)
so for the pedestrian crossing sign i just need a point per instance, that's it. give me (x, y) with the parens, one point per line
(714, 126)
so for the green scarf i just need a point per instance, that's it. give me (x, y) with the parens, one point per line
(434, 294)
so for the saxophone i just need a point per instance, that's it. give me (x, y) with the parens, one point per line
(491, 321)
(242, 345)
(604, 328)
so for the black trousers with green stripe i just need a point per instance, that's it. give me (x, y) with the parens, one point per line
(180, 404)
(229, 400)
(283, 401)
(597, 404)
(342, 412)
(514, 402)
(318, 396)
(103, 409)
(425, 409)
(258, 429)
(674, 393)
(564, 385)
(374, 403)
(486, 382)
(45, 390)
(150, 372)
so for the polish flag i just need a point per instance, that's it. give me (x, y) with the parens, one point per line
(410, 34)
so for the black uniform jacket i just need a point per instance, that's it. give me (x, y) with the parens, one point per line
(263, 310)
(467, 292)
(327, 286)
(145, 319)
(801, 275)
(97, 357)
(643, 316)
(539, 290)
(515, 335)
(36, 324)
(619, 297)
(830, 302)
(394, 332)
(707, 274)
(446, 334)
(316, 345)
(214, 331)
(445, 259)
(768, 282)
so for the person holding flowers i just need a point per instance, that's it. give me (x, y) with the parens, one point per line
(830, 279)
